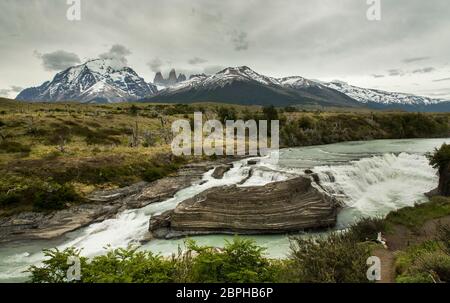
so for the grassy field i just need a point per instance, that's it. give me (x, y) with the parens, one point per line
(53, 155)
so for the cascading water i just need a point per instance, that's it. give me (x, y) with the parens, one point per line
(377, 185)
(370, 179)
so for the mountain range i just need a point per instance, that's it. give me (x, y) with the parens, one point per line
(96, 81)
(108, 81)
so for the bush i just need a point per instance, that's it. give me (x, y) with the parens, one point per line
(367, 229)
(240, 261)
(440, 158)
(54, 197)
(13, 147)
(337, 258)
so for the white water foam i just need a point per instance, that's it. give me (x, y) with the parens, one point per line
(377, 185)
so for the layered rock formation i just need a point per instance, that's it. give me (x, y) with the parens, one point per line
(281, 207)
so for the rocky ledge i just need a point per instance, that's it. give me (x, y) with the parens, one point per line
(102, 205)
(281, 207)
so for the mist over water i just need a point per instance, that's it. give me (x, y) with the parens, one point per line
(368, 178)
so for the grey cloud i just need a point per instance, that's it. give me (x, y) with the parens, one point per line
(378, 76)
(396, 72)
(13, 89)
(155, 65)
(16, 89)
(239, 40)
(415, 59)
(4, 92)
(440, 80)
(424, 70)
(58, 60)
(197, 60)
(311, 38)
(212, 69)
(117, 52)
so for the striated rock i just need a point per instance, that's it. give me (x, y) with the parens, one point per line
(280, 207)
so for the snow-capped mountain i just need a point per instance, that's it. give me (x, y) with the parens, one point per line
(365, 95)
(242, 85)
(100, 80)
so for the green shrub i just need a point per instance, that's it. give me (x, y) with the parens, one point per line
(367, 229)
(337, 258)
(13, 147)
(241, 261)
(54, 196)
(153, 174)
(440, 158)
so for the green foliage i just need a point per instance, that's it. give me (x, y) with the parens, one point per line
(240, 261)
(440, 158)
(308, 129)
(367, 229)
(226, 113)
(41, 195)
(424, 263)
(54, 268)
(415, 217)
(13, 147)
(337, 258)
(270, 113)
(54, 196)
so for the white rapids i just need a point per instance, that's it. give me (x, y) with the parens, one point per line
(369, 179)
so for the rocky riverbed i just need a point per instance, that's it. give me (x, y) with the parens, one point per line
(102, 205)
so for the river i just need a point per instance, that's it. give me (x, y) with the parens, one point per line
(369, 178)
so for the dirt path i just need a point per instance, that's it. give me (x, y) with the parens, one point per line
(401, 238)
(387, 265)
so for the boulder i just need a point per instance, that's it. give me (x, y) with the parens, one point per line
(282, 207)
(221, 170)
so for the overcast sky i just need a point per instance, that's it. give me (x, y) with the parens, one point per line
(408, 50)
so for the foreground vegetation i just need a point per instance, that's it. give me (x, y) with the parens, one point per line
(337, 258)
(53, 155)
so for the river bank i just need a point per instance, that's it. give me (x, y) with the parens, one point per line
(102, 205)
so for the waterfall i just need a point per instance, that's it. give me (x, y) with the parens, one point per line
(377, 185)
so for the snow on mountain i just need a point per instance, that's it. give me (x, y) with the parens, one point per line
(297, 82)
(365, 95)
(242, 85)
(100, 80)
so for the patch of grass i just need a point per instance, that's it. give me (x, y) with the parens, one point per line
(13, 147)
(415, 217)
(424, 263)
